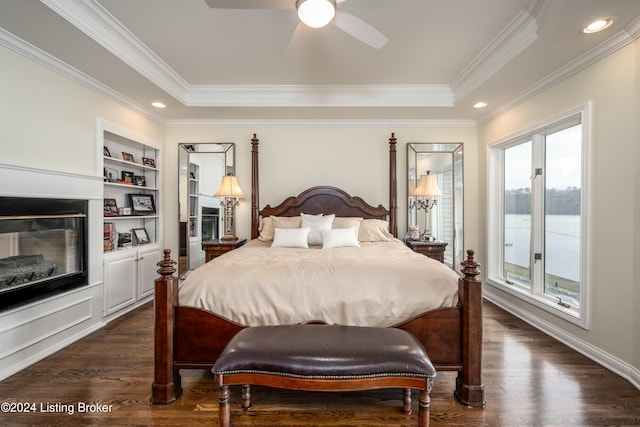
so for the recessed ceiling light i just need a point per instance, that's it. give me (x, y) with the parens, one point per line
(480, 105)
(598, 25)
(158, 105)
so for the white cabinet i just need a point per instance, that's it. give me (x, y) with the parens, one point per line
(148, 259)
(129, 277)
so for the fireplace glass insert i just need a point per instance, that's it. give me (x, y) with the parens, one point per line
(42, 248)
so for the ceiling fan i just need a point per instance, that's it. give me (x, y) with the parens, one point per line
(314, 14)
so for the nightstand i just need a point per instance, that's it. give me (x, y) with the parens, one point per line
(215, 248)
(433, 250)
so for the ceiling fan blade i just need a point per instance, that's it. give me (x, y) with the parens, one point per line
(359, 29)
(251, 4)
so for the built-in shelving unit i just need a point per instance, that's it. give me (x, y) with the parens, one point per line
(132, 243)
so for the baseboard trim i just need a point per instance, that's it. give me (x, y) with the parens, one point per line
(610, 362)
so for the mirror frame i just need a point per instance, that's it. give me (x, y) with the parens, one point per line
(187, 240)
(454, 195)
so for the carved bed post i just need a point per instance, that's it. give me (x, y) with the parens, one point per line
(255, 188)
(393, 187)
(166, 379)
(469, 386)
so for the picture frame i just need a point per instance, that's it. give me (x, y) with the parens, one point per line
(110, 175)
(142, 204)
(128, 157)
(147, 161)
(110, 207)
(124, 240)
(106, 152)
(140, 236)
(140, 180)
(127, 177)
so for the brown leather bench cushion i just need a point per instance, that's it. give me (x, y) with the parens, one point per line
(325, 351)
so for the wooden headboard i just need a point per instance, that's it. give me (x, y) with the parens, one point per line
(325, 199)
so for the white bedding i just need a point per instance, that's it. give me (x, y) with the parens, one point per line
(377, 284)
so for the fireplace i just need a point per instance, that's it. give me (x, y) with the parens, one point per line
(43, 248)
(210, 224)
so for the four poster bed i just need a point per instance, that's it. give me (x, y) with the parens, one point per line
(190, 333)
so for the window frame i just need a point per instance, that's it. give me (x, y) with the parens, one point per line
(495, 216)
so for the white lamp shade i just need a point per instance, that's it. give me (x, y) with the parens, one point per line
(229, 187)
(316, 13)
(427, 187)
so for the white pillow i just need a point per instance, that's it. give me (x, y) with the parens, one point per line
(291, 237)
(316, 223)
(339, 237)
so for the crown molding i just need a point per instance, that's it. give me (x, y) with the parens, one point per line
(604, 49)
(93, 20)
(320, 96)
(511, 41)
(37, 55)
(324, 123)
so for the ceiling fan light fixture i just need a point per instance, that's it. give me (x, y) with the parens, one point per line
(316, 13)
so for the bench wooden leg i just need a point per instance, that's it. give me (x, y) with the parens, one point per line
(406, 401)
(246, 397)
(423, 412)
(224, 412)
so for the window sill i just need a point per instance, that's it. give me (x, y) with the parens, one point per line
(548, 304)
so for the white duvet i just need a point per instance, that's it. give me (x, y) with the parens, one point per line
(378, 284)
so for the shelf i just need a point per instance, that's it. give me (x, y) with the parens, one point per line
(120, 217)
(129, 186)
(138, 166)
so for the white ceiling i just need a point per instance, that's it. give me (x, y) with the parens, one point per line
(204, 63)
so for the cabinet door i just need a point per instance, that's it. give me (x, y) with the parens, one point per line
(119, 281)
(148, 270)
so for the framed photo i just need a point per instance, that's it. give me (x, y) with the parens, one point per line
(140, 236)
(106, 152)
(149, 162)
(127, 177)
(140, 181)
(142, 204)
(127, 157)
(110, 207)
(110, 175)
(124, 240)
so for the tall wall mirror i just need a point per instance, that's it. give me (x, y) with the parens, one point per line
(202, 166)
(435, 196)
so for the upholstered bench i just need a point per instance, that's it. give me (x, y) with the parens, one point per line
(324, 358)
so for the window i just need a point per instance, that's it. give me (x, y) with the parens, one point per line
(536, 211)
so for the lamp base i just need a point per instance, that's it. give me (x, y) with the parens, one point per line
(228, 238)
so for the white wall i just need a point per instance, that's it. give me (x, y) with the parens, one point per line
(611, 85)
(295, 156)
(49, 121)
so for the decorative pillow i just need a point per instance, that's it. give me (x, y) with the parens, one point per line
(266, 229)
(316, 223)
(291, 237)
(270, 223)
(347, 222)
(374, 230)
(339, 237)
(286, 221)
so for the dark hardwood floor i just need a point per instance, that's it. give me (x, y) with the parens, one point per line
(530, 380)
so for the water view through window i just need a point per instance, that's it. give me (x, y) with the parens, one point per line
(558, 220)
